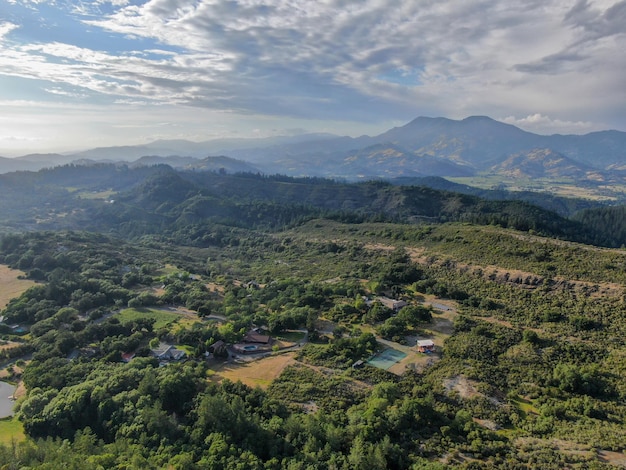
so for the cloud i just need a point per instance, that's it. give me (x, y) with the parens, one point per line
(597, 19)
(305, 51)
(332, 59)
(545, 125)
(596, 29)
(16, 138)
(63, 92)
(6, 28)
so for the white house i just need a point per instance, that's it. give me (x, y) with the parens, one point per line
(167, 352)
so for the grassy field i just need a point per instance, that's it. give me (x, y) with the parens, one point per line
(162, 318)
(11, 430)
(524, 405)
(291, 336)
(104, 195)
(563, 187)
(10, 285)
(166, 270)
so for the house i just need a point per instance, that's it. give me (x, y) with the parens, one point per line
(218, 348)
(167, 352)
(253, 342)
(393, 304)
(254, 337)
(425, 346)
(127, 357)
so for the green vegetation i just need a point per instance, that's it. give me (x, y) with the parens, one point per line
(532, 373)
(160, 318)
(11, 430)
(159, 201)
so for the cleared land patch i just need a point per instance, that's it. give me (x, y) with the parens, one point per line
(256, 373)
(102, 195)
(10, 284)
(11, 430)
(161, 317)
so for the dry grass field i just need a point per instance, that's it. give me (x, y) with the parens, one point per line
(255, 373)
(10, 285)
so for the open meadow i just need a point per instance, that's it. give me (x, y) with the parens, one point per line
(11, 430)
(12, 284)
(255, 373)
(162, 317)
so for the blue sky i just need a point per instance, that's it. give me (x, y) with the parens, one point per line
(80, 74)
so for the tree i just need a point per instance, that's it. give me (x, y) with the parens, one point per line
(413, 315)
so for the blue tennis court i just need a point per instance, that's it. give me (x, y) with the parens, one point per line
(386, 358)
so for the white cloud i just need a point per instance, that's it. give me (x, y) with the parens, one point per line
(318, 49)
(118, 3)
(541, 124)
(17, 138)
(31, 2)
(63, 92)
(6, 28)
(560, 64)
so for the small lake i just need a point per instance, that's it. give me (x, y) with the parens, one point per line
(6, 404)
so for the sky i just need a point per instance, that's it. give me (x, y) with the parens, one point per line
(81, 74)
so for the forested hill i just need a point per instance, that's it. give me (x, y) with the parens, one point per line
(223, 322)
(176, 200)
(607, 224)
(160, 200)
(564, 206)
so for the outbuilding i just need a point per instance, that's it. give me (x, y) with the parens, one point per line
(425, 346)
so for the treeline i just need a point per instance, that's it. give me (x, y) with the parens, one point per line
(608, 225)
(564, 206)
(160, 200)
(169, 201)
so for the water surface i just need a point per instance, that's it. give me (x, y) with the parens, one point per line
(6, 404)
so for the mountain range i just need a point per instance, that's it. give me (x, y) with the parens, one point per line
(422, 147)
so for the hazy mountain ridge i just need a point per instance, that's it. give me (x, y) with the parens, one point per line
(159, 199)
(220, 163)
(543, 163)
(424, 146)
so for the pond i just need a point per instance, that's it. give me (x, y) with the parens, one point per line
(6, 403)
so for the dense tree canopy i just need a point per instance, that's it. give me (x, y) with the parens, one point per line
(530, 351)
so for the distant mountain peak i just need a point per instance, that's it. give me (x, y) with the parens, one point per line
(472, 144)
(425, 120)
(421, 120)
(479, 119)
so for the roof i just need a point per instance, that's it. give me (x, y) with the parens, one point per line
(166, 351)
(392, 303)
(425, 343)
(127, 357)
(218, 346)
(252, 337)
